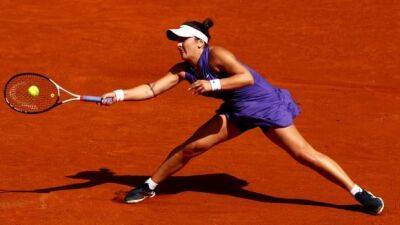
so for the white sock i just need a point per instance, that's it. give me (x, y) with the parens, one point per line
(355, 189)
(151, 183)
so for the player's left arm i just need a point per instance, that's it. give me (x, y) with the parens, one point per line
(238, 76)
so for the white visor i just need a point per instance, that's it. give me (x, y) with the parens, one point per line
(186, 31)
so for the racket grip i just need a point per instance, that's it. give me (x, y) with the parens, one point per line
(97, 99)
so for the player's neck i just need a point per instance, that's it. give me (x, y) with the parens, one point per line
(194, 60)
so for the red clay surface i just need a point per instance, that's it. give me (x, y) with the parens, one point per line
(68, 166)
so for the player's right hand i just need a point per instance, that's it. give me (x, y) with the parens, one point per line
(105, 99)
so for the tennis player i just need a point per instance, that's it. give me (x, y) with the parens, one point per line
(249, 102)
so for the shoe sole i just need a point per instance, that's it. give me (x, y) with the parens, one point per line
(139, 200)
(381, 209)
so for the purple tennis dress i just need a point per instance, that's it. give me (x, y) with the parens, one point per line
(259, 105)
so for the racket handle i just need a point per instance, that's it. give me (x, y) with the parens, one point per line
(96, 99)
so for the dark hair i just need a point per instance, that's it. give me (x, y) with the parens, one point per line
(203, 27)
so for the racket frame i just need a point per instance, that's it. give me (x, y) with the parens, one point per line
(75, 97)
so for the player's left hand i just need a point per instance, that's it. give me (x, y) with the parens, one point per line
(200, 87)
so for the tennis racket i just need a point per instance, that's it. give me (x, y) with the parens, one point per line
(35, 93)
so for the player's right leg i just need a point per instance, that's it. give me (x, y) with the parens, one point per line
(292, 141)
(218, 129)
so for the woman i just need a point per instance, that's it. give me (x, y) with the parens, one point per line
(249, 102)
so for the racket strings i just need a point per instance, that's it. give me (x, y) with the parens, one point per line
(19, 97)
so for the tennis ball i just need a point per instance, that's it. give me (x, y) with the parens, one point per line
(33, 90)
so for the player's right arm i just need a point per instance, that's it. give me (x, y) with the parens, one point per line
(150, 90)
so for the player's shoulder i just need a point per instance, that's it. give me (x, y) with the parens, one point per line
(179, 69)
(218, 51)
(220, 54)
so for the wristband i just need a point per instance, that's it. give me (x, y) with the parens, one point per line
(215, 84)
(119, 95)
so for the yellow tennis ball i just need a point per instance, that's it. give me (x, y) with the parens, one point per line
(33, 90)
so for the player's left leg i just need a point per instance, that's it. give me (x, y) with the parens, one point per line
(216, 130)
(293, 143)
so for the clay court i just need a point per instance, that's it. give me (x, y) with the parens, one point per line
(339, 59)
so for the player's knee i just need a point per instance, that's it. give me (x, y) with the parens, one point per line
(193, 149)
(304, 153)
(311, 157)
(298, 151)
(318, 159)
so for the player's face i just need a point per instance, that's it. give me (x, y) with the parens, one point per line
(187, 47)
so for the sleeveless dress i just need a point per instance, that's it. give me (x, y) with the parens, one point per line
(259, 105)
